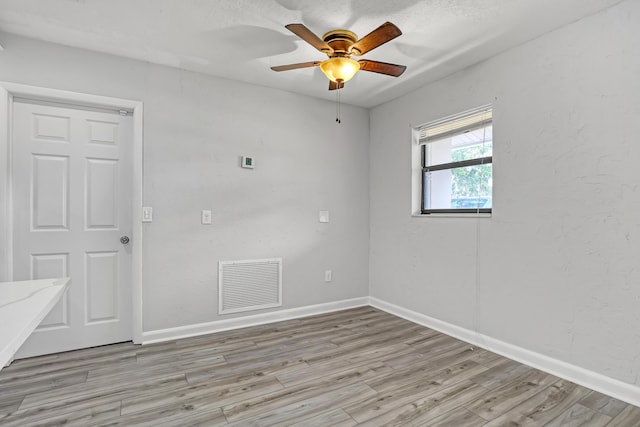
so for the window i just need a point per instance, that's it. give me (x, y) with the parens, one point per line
(457, 163)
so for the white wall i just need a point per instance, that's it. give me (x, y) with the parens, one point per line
(196, 128)
(556, 270)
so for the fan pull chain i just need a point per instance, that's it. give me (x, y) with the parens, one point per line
(338, 104)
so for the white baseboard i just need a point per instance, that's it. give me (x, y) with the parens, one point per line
(615, 388)
(253, 320)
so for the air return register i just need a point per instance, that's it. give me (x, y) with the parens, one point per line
(249, 285)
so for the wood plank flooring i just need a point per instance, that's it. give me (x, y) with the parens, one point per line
(353, 367)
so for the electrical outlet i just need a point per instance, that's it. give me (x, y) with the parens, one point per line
(206, 217)
(327, 275)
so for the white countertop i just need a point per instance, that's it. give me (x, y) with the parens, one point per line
(23, 305)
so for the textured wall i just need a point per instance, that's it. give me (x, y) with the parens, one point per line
(195, 130)
(556, 268)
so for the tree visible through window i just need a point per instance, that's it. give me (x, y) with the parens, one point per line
(457, 163)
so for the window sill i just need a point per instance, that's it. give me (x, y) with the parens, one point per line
(451, 215)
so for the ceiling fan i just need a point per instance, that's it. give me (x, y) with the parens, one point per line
(340, 46)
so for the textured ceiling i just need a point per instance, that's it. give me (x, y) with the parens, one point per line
(241, 39)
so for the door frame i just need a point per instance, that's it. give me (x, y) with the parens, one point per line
(7, 93)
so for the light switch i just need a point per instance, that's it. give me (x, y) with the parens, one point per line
(324, 216)
(147, 214)
(327, 276)
(206, 217)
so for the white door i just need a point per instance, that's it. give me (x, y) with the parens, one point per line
(71, 183)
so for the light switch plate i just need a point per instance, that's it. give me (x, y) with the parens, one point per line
(206, 217)
(327, 276)
(147, 214)
(324, 216)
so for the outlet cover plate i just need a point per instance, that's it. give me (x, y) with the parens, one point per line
(206, 217)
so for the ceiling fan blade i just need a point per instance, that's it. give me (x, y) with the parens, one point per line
(382, 67)
(333, 85)
(375, 38)
(305, 34)
(296, 66)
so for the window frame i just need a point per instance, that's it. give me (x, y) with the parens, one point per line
(425, 169)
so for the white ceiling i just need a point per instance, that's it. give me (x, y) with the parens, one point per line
(241, 39)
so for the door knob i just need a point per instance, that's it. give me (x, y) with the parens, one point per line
(124, 240)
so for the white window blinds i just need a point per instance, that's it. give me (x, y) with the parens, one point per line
(455, 125)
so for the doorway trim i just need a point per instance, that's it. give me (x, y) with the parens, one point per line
(7, 93)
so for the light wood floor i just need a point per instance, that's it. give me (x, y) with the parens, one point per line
(353, 367)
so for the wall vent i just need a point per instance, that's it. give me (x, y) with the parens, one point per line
(249, 285)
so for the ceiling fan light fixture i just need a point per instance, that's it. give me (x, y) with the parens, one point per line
(340, 68)
(339, 46)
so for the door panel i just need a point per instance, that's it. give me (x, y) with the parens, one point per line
(71, 175)
(45, 266)
(102, 286)
(102, 193)
(55, 128)
(50, 192)
(49, 265)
